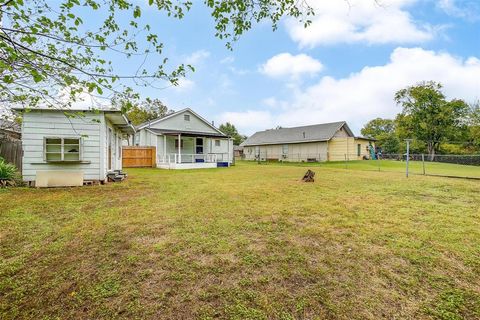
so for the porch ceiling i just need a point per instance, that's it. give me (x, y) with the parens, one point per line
(187, 133)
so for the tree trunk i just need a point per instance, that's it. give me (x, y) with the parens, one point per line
(431, 150)
(309, 176)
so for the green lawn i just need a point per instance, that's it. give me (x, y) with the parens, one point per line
(247, 242)
(415, 167)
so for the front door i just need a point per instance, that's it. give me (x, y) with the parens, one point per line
(199, 145)
(199, 150)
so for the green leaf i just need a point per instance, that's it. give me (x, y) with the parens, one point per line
(37, 77)
(8, 79)
(137, 12)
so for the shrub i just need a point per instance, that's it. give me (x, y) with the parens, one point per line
(8, 173)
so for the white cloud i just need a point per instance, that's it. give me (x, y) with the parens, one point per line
(365, 21)
(270, 102)
(227, 60)
(184, 85)
(287, 65)
(196, 57)
(369, 93)
(465, 9)
(248, 121)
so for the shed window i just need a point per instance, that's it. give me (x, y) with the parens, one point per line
(62, 149)
(217, 143)
(285, 149)
(359, 149)
(186, 117)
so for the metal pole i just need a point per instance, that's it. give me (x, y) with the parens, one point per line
(408, 152)
(423, 163)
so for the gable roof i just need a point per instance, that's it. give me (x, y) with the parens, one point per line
(312, 133)
(158, 120)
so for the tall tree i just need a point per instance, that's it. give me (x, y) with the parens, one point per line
(383, 130)
(428, 116)
(474, 125)
(230, 130)
(49, 49)
(140, 111)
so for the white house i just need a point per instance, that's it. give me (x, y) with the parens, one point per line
(185, 140)
(69, 147)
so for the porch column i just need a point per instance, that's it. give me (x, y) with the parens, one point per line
(179, 148)
(165, 148)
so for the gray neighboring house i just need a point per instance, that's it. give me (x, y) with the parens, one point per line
(320, 142)
(10, 130)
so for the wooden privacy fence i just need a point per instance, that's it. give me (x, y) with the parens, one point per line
(137, 157)
(11, 151)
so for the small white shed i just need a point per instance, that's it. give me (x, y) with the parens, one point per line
(69, 147)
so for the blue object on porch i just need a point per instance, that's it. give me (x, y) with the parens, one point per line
(222, 164)
(199, 160)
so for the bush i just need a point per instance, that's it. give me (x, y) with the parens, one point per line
(8, 173)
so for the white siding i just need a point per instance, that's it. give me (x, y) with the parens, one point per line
(39, 124)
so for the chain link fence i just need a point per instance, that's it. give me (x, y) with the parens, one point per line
(458, 166)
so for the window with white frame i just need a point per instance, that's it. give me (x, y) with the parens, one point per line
(217, 143)
(186, 117)
(285, 149)
(62, 149)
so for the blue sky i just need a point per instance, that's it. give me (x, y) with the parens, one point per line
(346, 66)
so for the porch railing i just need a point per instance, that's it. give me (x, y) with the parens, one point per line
(193, 158)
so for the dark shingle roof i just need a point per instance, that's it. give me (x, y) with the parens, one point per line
(317, 132)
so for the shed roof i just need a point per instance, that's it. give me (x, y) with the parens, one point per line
(312, 133)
